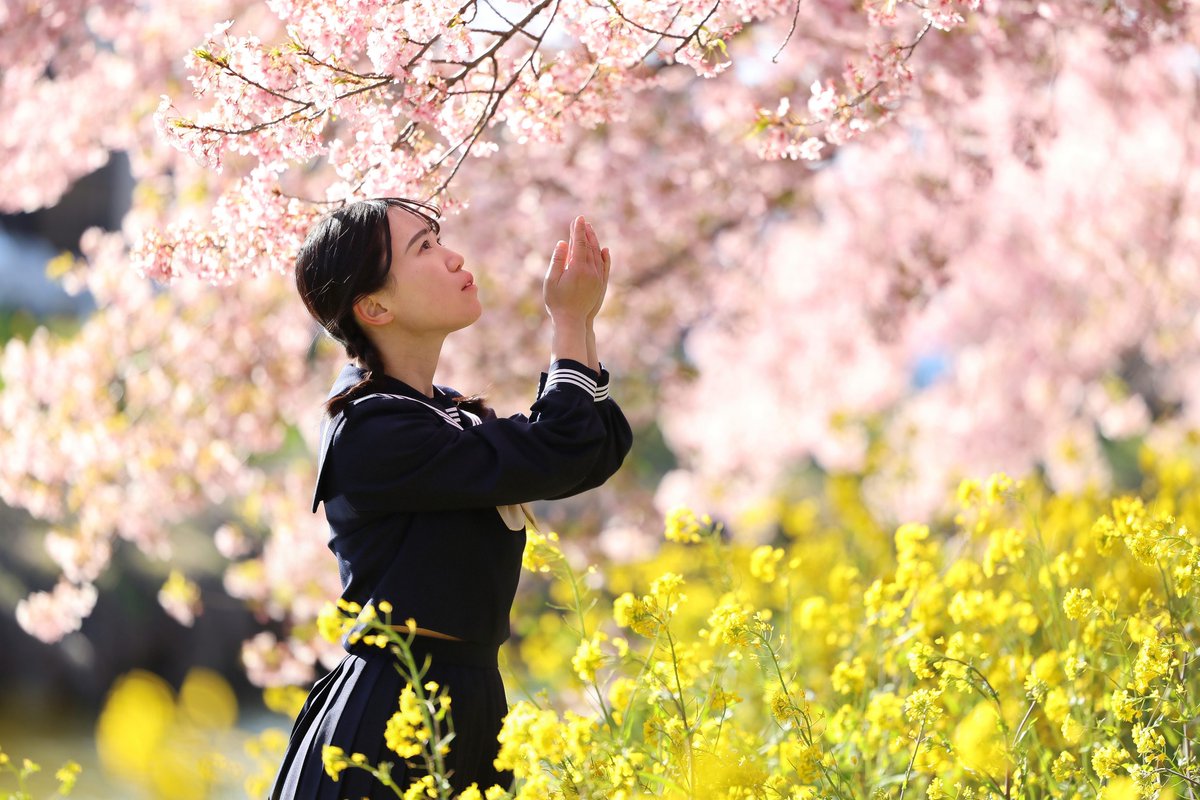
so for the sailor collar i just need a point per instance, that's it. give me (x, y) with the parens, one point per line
(442, 403)
(352, 374)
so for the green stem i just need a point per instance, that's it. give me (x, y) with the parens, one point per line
(912, 759)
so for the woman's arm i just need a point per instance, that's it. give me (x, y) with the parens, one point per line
(617, 441)
(397, 455)
(618, 436)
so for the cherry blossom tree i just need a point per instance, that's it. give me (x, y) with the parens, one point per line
(803, 200)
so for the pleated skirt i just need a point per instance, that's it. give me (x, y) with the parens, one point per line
(350, 706)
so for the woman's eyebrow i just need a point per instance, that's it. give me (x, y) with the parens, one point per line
(418, 236)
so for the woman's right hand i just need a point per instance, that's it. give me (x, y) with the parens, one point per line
(575, 280)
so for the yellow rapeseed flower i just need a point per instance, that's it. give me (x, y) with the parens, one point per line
(787, 706)
(621, 691)
(407, 730)
(334, 760)
(588, 657)
(980, 742)
(1124, 705)
(1108, 758)
(665, 591)
(849, 677)
(1078, 603)
(421, 788)
(332, 623)
(924, 705)
(1120, 788)
(1071, 730)
(763, 561)
(1065, 767)
(633, 613)
(541, 551)
(998, 487)
(1155, 659)
(1148, 740)
(286, 700)
(682, 525)
(66, 776)
(736, 623)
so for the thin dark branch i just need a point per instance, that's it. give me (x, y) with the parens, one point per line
(908, 49)
(661, 35)
(791, 30)
(307, 52)
(303, 107)
(488, 111)
(511, 24)
(223, 63)
(496, 11)
(500, 41)
(639, 26)
(692, 35)
(495, 105)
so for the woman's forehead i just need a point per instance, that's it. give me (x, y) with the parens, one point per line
(406, 227)
(406, 221)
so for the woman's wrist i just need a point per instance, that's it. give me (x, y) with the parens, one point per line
(569, 338)
(593, 360)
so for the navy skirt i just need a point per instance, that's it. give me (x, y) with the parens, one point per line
(350, 706)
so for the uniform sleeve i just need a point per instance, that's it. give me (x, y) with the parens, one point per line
(618, 438)
(396, 456)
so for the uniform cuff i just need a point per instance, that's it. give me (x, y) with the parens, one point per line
(569, 371)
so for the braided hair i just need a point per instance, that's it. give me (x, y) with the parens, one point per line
(346, 256)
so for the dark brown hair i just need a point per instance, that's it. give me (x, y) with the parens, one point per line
(346, 256)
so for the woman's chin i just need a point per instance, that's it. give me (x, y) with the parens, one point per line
(471, 320)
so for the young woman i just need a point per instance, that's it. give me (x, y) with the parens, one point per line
(423, 487)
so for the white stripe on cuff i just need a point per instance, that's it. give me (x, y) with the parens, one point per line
(568, 375)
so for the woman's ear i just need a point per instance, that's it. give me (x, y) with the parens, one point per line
(369, 311)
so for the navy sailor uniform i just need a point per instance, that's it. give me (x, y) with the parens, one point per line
(423, 502)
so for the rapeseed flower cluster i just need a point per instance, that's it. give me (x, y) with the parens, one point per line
(66, 776)
(1030, 644)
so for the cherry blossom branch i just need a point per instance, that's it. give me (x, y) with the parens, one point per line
(828, 110)
(304, 106)
(503, 38)
(791, 30)
(699, 28)
(494, 105)
(662, 34)
(223, 63)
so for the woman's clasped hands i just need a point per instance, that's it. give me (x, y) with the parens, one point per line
(577, 277)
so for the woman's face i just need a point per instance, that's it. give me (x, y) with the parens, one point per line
(428, 289)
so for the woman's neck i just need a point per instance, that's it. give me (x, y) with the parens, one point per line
(412, 360)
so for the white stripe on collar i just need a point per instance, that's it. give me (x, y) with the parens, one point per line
(453, 420)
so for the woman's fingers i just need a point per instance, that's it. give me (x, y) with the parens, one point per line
(582, 239)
